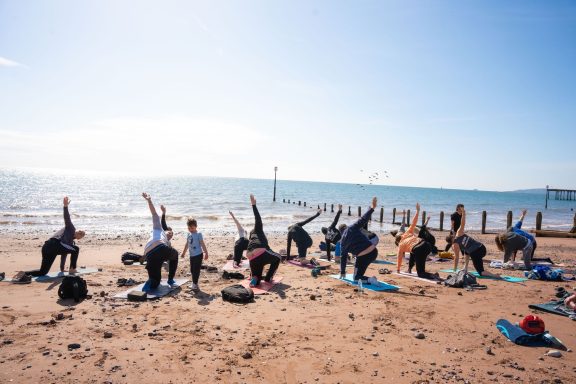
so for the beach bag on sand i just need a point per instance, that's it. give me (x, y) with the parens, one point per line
(460, 279)
(133, 257)
(73, 287)
(237, 294)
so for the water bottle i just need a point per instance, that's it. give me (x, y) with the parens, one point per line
(360, 287)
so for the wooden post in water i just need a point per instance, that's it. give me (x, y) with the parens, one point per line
(288, 201)
(304, 203)
(483, 222)
(423, 217)
(509, 220)
(324, 207)
(394, 216)
(408, 217)
(381, 214)
(299, 202)
(359, 211)
(573, 230)
(349, 211)
(283, 200)
(331, 208)
(441, 220)
(538, 221)
(318, 206)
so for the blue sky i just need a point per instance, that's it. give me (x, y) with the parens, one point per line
(459, 94)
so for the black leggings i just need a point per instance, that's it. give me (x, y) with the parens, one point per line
(257, 265)
(239, 247)
(154, 260)
(362, 263)
(195, 267)
(418, 256)
(477, 257)
(50, 250)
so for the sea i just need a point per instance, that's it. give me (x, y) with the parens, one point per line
(31, 202)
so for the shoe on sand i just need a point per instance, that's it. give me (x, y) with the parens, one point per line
(72, 271)
(21, 278)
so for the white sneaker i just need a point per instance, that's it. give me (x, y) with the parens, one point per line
(508, 265)
(194, 287)
(372, 280)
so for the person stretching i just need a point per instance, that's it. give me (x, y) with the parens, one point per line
(331, 234)
(259, 253)
(419, 250)
(195, 243)
(469, 247)
(158, 250)
(510, 242)
(301, 238)
(517, 228)
(455, 219)
(355, 242)
(166, 228)
(240, 243)
(61, 243)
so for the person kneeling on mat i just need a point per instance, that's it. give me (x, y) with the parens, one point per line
(471, 248)
(301, 238)
(332, 234)
(61, 243)
(158, 250)
(240, 242)
(355, 242)
(259, 253)
(419, 250)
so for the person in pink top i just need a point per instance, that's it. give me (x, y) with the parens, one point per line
(419, 250)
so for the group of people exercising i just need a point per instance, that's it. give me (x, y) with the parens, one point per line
(354, 239)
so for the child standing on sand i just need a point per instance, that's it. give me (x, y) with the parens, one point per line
(195, 244)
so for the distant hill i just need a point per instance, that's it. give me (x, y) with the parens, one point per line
(539, 191)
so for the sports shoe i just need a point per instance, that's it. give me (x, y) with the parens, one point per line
(194, 287)
(315, 262)
(508, 265)
(303, 261)
(372, 280)
(21, 278)
(146, 287)
(254, 282)
(171, 282)
(2, 275)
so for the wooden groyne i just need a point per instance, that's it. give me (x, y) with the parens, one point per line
(397, 215)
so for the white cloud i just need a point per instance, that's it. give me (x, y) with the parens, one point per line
(4, 62)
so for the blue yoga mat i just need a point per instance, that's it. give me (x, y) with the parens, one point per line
(59, 275)
(382, 286)
(510, 279)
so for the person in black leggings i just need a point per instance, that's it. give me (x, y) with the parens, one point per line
(302, 239)
(240, 242)
(331, 234)
(61, 243)
(259, 252)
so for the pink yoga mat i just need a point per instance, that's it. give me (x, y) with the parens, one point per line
(263, 287)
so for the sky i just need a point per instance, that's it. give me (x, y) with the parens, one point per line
(453, 94)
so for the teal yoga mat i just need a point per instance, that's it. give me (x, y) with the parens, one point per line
(382, 262)
(510, 279)
(382, 286)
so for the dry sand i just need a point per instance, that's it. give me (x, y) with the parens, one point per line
(311, 330)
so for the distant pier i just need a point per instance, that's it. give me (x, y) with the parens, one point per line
(560, 194)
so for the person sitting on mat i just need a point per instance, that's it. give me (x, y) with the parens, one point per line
(198, 251)
(455, 219)
(61, 243)
(240, 242)
(471, 248)
(355, 242)
(419, 250)
(157, 250)
(302, 239)
(331, 234)
(259, 253)
(510, 242)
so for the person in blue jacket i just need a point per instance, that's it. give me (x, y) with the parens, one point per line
(354, 241)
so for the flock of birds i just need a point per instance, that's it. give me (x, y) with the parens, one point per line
(372, 178)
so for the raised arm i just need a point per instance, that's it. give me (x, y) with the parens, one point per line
(155, 219)
(518, 225)
(67, 220)
(288, 244)
(303, 223)
(364, 219)
(257, 219)
(238, 225)
(415, 219)
(163, 220)
(335, 222)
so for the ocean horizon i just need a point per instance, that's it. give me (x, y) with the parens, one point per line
(31, 201)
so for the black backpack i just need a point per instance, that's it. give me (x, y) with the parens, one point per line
(461, 279)
(73, 287)
(133, 257)
(237, 294)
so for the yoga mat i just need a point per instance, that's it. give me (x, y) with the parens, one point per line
(510, 279)
(382, 286)
(556, 307)
(263, 287)
(162, 290)
(244, 265)
(377, 261)
(415, 277)
(518, 336)
(57, 275)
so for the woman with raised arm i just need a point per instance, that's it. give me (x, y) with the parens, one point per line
(259, 253)
(419, 250)
(471, 248)
(240, 242)
(61, 243)
(302, 239)
(355, 242)
(158, 250)
(331, 234)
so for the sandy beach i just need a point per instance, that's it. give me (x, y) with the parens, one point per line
(308, 330)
